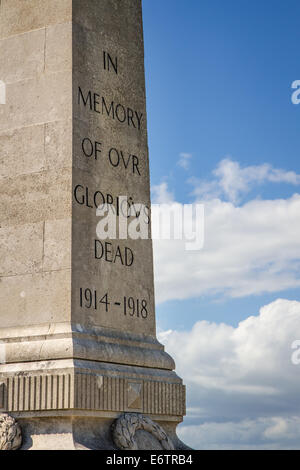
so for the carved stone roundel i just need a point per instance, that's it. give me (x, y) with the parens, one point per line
(10, 433)
(128, 424)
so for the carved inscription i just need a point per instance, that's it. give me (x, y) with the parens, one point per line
(117, 158)
(95, 148)
(129, 306)
(92, 199)
(116, 255)
(109, 63)
(109, 108)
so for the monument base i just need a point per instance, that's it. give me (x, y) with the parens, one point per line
(82, 432)
(80, 404)
(68, 403)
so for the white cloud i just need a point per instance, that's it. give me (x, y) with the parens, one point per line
(232, 181)
(161, 194)
(184, 160)
(242, 387)
(243, 435)
(250, 249)
(243, 390)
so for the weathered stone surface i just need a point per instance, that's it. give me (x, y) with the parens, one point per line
(38, 100)
(78, 340)
(21, 249)
(57, 246)
(58, 52)
(22, 151)
(35, 298)
(36, 197)
(22, 56)
(58, 145)
(19, 16)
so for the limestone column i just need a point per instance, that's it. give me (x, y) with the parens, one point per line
(78, 341)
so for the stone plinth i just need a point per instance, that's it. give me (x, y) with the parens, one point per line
(78, 339)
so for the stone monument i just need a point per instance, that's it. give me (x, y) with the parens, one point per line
(81, 367)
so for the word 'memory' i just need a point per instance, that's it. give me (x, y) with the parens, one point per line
(116, 111)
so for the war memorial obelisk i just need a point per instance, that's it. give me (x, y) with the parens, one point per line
(81, 367)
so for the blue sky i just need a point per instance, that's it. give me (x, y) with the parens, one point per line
(218, 82)
(218, 78)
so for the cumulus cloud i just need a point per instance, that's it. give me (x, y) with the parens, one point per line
(232, 181)
(184, 160)
(243, 435)
(242, 384)
(249, 249)
(161, 194)
(243, 389)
